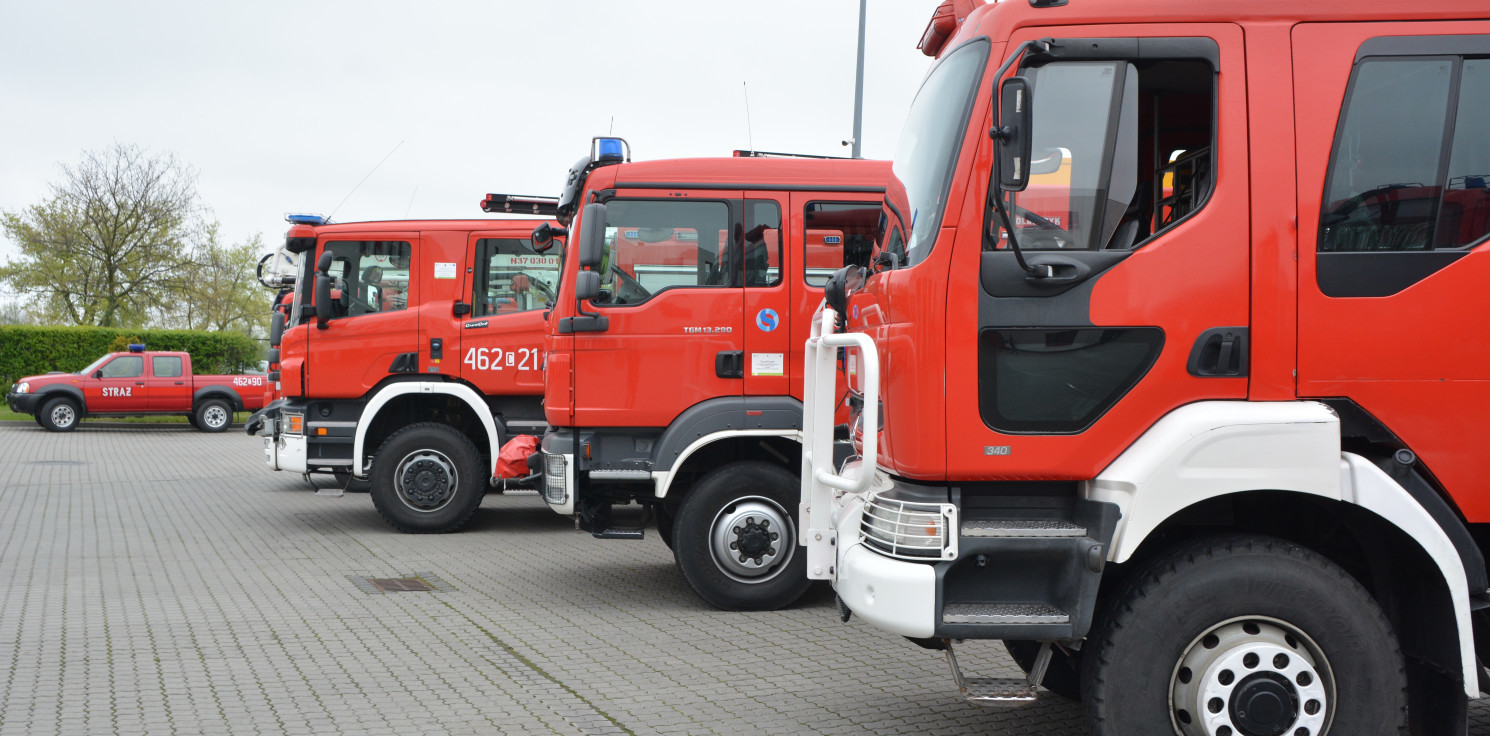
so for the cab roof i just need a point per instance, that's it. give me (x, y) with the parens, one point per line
(751, 173)
(524, 225)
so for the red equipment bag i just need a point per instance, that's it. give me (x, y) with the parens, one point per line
(512, 462)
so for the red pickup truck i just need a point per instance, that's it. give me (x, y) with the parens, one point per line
(136, 383)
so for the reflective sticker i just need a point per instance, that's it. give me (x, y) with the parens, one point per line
(767, 364)
(767, 320)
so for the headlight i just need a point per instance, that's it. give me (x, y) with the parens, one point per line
(908, 529)
(23, 387)
(294, 423)
(554, 483)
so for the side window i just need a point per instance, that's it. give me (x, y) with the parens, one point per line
(838, 234)
(371, 276)
(654, 245)
(166, 366)
(1406, 192)
(510, 277)
(762, 243)
(1122, 150)
(125, 366)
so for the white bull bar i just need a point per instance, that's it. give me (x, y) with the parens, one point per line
(822, 485)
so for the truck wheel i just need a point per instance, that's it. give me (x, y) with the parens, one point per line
(1243, 635)
(192, 420)
(736, 540)
(59, 415)
(427, 479)
(214, 415)
(1062, 675)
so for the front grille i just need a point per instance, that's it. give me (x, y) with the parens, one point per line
(554, 480)
(908, 529)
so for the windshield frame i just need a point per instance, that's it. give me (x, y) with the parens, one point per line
(95, 365)
(916, 249)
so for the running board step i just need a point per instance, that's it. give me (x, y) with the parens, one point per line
(614, 533)
(627, 475)
(1000, 613)
(1019, 528)
(999, 691)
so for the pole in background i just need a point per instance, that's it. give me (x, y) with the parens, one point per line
(859, 85)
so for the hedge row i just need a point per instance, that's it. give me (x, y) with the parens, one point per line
(28, 351)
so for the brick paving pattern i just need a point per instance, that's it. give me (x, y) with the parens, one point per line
(160, 580)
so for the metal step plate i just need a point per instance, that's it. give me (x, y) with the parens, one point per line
(999, 691)
(1021, 528)
(1003, 613)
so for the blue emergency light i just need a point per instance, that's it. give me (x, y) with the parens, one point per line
(609, 149)
(135, 347)
(305, 219)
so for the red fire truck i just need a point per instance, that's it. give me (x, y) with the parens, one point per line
(412, 351)
(136, 383)
(675, 353)
(1198, 436)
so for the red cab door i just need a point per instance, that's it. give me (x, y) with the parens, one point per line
(169, 383)
(376, 287)
(673, 307)
(120, 386)
(500, 343)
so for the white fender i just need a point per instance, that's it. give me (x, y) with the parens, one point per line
(394, 390)
(663, 479)
(1214, 448)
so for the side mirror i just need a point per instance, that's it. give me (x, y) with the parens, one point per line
(835, 292)
(587, 285)
(276, 328)
(543, 237)
(323, 295)
(592, 240)
(323, 265)
(1016, 111)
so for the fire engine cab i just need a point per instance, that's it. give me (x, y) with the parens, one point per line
(674, 352)
(412, 351)
(1175, 377)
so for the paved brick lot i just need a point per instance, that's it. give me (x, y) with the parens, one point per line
(160, 580)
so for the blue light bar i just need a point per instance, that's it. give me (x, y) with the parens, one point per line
(305, 219)
(610, 149)
(135, 347)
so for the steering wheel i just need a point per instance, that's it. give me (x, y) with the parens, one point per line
(629, 290)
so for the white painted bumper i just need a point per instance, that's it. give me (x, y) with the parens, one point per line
(286, 452)
(896, 596)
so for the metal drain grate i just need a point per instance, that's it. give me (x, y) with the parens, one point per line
(416, 582)
(401, 585)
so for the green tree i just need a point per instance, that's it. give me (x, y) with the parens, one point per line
(220, 290)
(114, 238)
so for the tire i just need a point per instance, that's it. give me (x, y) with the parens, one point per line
(1186, 628)
(192, 420)
(347, 483)
(214, 415)
(60, 415)
(427, 479)
(1062, 675)
(744, 492)
(666, 516)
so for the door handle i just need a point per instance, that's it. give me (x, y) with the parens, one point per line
(139, 383)
(181, 383)
(1220, 352)
(729, 364)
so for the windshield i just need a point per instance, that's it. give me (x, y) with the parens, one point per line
(95, 365)
(929, 144)
(1077, 192)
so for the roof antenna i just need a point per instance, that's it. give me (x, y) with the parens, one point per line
(749, 136)
(612, 130)
(364, 179)
(411, 201)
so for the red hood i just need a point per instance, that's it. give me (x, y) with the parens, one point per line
(49, 379)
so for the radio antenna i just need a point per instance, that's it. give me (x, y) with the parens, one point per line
(411, 201)
(364, 179)
(612, 130)
(749, 135)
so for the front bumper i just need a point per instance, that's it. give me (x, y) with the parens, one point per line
(21, 403)
(285, 452)
(894, 595)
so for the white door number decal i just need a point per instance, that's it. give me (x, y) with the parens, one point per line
(117, 391)
(496, 359)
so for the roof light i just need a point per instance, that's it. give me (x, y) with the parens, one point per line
(520, 204)
(610, 149)
(135, 347)
(304, 219)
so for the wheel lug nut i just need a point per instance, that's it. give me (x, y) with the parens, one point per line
(765, 523)
(775, 536)
(734, 545)
(771, 551)
(743, 558)
(737, 530)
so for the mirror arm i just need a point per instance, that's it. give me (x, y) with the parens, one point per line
(997, 200)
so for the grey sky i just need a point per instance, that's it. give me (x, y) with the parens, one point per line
(284, 106)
